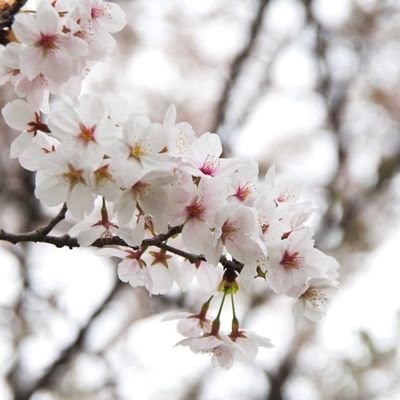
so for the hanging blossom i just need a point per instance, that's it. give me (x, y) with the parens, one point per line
(157, 194)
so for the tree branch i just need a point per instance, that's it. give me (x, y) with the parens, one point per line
(40, 235)
(8, 13)
(237, 65)
(66, 355)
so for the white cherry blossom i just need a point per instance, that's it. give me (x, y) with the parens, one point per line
(48, 50)
(64, 177)
(313, 298)
(86, 127)
(294, 260)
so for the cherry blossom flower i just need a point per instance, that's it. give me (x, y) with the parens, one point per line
(48, 50)
(284, 189)
(313, 299)
(190, 325)
(64, 177)
(183, 273)
(101, 18)
(144, 188)
(244, 182)
(132, 269)
(143, 140)
(180, 135)
(9, 63)
(294, 260)
(158, 263)
(101, 224)
(202, 158)
(195, 206)
(237, 230)
(35, 154)
(247, 344)
(87, 127)
(219, 346)
(20, 116)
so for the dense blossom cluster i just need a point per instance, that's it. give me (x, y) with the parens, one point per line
(123, 175)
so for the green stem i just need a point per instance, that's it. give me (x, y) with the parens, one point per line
(216, 324)
(233, 306)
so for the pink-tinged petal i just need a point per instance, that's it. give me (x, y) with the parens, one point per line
(313, 314)
(18, 114)
(47, 18)
(207, 145)
(58, 67)
(223, 357)
(73, 46)
(182, 273)
(190, 327)
(112, 252)
(248, 348)
(31, 62)
(244, 249)
(260, 341)
(20, 144)
(52, 191)
(126, 207)
(247, 276)
(195, 236)
(127, 270)
(87, 237)
(201, 344)
(5, 76)
(25, 28)
(113, 18)
(162, 281)
(64, 123)
(170, 116)
(92, 109)
(80, 201)
(209, 277)
(176, 315)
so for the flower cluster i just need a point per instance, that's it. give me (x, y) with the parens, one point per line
(55, 45)
(180, 211)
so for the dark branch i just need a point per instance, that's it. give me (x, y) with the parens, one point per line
(7, 18)
(237, 65)
(45, 230)
(7, 15)
(41, 236)
(66, 355)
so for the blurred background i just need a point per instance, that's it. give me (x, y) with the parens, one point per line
(312, 86)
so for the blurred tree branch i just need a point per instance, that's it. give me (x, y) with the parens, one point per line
(237, 65)
(67, 354)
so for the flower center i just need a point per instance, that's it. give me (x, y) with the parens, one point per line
(137, 151)
(48, 43)
(74, 175)
(196, 209)
(228, 231)
(209, 167)
(243, 192)
(102, 174)
(86, 133)
(291, 260)
(97, 12)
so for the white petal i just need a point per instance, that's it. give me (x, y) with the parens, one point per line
(162, 281)
(48, 20)
(92, 109)
(18, 114)
(20, 144)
